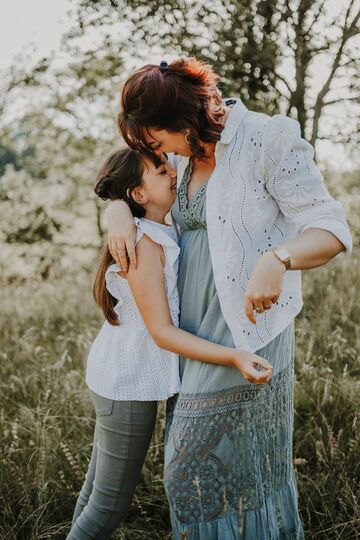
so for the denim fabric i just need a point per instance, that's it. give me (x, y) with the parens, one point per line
(122, 437)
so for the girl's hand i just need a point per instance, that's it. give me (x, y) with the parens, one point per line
(121, 234)
(247, 363)
(264, 286)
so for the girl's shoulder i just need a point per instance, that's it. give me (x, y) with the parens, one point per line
(164, 235)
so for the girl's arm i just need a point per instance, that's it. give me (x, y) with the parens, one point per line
(148, 287)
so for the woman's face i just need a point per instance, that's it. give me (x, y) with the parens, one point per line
(158, 189)
(164, 141)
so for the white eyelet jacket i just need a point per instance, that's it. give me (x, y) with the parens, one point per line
(264, 190)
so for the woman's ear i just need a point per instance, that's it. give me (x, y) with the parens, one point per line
(138, 195)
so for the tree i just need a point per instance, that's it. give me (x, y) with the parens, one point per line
(248, 42)
(305, 42)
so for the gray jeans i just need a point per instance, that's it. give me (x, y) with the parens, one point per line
(122, 437)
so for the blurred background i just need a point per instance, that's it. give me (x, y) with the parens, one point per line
(62, 66)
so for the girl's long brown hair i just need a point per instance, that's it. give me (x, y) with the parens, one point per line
(183, 96)
(121, 172)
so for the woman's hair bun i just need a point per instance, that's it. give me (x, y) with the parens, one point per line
(197, 71)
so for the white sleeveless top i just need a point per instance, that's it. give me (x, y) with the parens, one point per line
(124, 362)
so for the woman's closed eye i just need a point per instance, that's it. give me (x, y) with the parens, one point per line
(155, 146)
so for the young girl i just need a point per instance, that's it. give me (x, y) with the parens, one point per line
(133, 361)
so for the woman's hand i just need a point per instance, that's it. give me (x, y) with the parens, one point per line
(264, 286)
(121, 234)
(247, 363)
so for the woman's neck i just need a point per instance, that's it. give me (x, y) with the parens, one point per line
(210, 147)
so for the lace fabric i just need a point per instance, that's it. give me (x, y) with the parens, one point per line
(192, 211)
(230, 448)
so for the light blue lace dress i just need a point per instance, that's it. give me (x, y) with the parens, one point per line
(228, 452)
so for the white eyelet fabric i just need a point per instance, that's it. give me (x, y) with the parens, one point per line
(124, 362)
(264, 190)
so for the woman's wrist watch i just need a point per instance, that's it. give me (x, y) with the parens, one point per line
(283, 256)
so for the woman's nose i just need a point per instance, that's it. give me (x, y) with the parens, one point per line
(171, 170)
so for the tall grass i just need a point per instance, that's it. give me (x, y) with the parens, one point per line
(46, 417)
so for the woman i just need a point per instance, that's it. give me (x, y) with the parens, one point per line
(253, 211)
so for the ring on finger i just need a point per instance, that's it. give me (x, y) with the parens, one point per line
(259, 309)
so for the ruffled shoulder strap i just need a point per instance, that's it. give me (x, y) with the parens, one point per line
(113, 281)
(161, 237)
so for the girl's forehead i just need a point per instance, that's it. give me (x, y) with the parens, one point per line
(150, 165)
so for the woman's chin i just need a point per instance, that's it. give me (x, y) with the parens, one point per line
(183, 153)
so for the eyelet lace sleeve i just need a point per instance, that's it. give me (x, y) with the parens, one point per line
(296, 183)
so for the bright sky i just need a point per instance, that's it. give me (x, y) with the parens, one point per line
(39, 24)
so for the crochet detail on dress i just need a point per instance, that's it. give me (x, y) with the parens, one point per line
(192, 211)
(231, 447)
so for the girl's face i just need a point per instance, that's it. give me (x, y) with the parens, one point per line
(158, 190)
(164, 141)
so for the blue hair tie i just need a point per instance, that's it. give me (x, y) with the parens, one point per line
(163, 65)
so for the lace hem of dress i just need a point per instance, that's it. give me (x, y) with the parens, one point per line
(247, 395)
(277, 519)
(233, 450)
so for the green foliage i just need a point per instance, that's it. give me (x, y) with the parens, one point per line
(327, 437)
(248, 42)
(7, 156)
(239, 38)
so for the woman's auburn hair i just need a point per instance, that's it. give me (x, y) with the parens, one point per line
(182, 96)
(121, 172)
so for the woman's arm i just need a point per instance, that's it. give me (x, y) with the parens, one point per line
(148, 287)
(313, 248)
(121, 234)
(294, 181)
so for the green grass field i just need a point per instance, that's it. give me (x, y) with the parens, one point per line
(46, 416)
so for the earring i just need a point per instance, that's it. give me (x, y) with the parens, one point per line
(186, 137)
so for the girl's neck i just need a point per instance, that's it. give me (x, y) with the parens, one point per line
(156, 215)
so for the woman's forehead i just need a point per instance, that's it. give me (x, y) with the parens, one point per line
(153, 135)
(156, 136)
